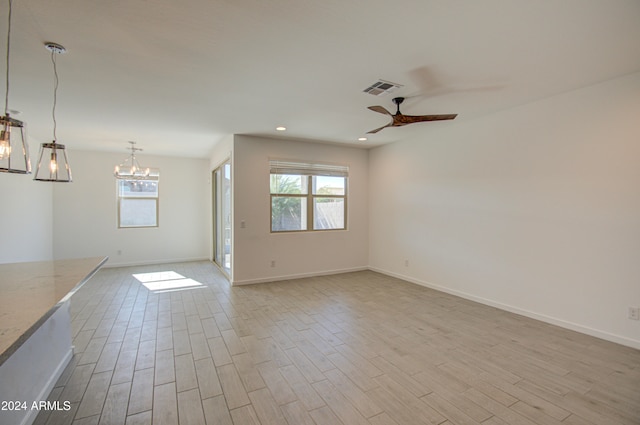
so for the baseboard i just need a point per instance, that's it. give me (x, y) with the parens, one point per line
(114, 263)
(297, 276)
(607, 336)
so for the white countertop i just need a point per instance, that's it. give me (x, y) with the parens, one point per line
(31, 292)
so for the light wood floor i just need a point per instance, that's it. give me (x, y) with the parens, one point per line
(356, 348)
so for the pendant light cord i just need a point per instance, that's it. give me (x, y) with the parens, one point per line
(6, 97)
(55, 94)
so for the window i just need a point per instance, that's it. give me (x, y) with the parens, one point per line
(308, 197)
(137, 203)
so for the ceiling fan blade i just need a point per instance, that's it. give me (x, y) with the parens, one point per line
(409, 119)
(380, 110)
(378, 129)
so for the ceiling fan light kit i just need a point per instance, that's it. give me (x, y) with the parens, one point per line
(399, 119)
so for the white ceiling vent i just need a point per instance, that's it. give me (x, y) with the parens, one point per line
(382, 87)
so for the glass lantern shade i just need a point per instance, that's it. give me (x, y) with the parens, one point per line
(14, 149)
(53, 164)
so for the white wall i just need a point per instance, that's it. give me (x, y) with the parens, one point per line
(85, 220)
(535, 209)
(25, 219)
(221, 152)
(301, 253)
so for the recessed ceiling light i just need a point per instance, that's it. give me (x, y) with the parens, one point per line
(362, 139)
(281, 128)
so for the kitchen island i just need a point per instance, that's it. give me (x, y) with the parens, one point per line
(35, 330)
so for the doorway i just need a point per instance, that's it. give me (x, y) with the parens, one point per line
(221, 178)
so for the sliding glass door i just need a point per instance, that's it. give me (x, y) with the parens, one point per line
(222, 216)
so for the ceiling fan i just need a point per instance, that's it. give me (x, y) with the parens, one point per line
(399, 119)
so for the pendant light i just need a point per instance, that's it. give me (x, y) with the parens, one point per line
(130, 169)
(53, 164)
(14, 149)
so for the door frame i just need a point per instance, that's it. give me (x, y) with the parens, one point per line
(218, 243)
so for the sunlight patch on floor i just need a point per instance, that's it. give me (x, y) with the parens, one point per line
(167, 281)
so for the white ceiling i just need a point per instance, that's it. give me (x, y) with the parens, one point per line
(176, 76)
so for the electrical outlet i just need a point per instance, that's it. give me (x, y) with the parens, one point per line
(406, 263)
(273, 263)
(634, 313)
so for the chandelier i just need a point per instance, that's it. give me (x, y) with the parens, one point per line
(130, 168)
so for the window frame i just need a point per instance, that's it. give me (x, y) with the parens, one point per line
(309, 171)
(155, 198)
